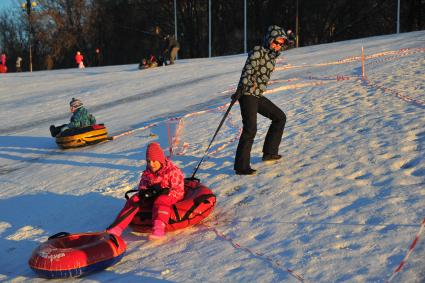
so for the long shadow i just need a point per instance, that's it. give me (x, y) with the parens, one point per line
(67, 162)
(26, 220)
(46, 146)
(130, 276)
(42, 150)
(27, 142)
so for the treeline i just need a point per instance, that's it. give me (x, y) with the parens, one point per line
(127, 30)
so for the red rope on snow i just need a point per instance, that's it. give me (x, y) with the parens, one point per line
(397, 93)
(406, 257)
(132, 131)
(397, 54)
(257, 254)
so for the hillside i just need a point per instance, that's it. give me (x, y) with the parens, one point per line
(343, 205)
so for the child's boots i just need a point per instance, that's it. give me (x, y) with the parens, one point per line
(158, 231)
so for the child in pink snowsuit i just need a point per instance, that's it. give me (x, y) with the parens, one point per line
(162, 173)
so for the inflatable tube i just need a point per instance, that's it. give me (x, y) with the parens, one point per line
(197, 204)
(82, 136)
(72, 255)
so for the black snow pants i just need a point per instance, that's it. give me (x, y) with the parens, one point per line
(250, 106)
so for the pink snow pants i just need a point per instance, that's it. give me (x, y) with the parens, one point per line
(160, 211)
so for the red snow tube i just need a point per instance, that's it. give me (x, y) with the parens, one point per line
(197, 204)
(72, 255)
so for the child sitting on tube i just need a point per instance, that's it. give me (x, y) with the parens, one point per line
(163, 175)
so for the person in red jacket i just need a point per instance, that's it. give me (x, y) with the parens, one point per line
(167, 180)
(3, 67)
(79, 60)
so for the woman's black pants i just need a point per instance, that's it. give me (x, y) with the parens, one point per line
(250, 106)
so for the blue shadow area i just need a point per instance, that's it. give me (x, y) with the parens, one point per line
(43, 150)
(28, 142)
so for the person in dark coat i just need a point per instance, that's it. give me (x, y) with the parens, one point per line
(252, 84)
(97, 60)
(171, 48)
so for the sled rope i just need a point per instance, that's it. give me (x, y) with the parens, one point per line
(236, 245)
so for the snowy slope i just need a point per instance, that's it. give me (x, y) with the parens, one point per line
(343, 205)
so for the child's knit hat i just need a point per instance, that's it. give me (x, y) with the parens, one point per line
(154, 152)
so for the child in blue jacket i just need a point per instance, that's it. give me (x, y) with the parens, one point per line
(80, 118)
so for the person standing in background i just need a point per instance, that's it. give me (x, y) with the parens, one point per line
(3, 67)
(19, 64)
(97, 58)
(3, 59)
(171, 47)
(79, 59)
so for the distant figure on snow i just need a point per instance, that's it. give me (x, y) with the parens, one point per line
(19, 64)
(143, 64)
(3, 67)
(80, 118)
(252, 84)
(148, 63)
(97, 61)
(79, 59)
(171, 47)
(152, 61)
(162, 184)
(3, 59)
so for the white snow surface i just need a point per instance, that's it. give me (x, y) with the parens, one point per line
(343, 205)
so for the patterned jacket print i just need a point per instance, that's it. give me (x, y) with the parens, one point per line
(81, 118)
(169, 176)
(259, 65)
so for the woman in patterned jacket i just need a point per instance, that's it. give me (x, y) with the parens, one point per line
(163, 176)
(253, 82)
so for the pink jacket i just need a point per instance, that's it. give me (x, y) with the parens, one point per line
(169, 176)
(3, 59)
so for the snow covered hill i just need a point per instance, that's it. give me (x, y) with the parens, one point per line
(343, 205)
